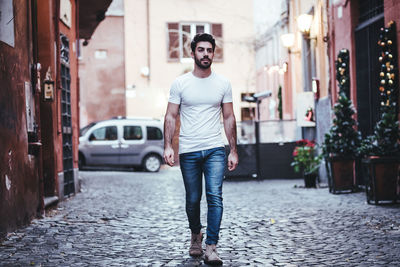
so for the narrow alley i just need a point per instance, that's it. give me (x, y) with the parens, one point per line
(138, 219)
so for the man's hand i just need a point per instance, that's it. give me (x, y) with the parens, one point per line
(169, 156)
(230, 131)
(169, 130)
(233, 161)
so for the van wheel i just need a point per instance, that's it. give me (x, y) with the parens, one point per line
(152, 163)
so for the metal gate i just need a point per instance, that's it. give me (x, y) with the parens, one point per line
(69, 186)
(367, 65)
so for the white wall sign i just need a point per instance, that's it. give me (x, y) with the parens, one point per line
(340, 12)
(100, 54)
(7, 22)
(305, 101)
(65, 12)
(30, 107)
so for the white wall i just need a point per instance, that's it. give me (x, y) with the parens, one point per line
(150, 96)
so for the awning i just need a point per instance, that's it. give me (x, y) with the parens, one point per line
(91, 13)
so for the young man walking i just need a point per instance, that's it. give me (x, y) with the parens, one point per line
(200, 97)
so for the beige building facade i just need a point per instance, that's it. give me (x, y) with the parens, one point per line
(295, 60)
(157, 39)
(102, 69)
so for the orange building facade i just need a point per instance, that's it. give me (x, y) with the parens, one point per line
(39, 111)
(355, 25)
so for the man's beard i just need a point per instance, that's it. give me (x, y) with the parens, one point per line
(200, 65)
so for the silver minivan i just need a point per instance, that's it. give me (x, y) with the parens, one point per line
(136, 142)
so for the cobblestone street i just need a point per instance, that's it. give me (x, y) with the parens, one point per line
(138, 219)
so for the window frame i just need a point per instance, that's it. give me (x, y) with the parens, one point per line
(105, 134)
(193, 25)
(174, 40)
(129, 125)
(158, 130)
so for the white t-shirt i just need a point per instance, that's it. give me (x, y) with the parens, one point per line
(200, 101)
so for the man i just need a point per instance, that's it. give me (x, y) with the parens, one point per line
(199, 97)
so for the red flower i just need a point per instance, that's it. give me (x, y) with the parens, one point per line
(302, 142)
(305, 142)
(310, 143)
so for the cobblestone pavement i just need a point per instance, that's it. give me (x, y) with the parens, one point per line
(138, 219)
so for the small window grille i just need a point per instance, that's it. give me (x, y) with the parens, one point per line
(369, 9)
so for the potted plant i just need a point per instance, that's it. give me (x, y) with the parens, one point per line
(342, 140)
(381, 150)
(306, 161)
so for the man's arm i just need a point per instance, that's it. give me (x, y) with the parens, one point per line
(169, 130)
(230, 131)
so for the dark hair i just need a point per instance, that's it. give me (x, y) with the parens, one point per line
(202, 37)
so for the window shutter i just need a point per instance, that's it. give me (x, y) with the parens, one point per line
(173, 42)
(216, 31)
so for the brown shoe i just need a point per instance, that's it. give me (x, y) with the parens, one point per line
(195, 245)
(211, 256)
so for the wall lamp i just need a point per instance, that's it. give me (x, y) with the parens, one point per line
(287, 40)
(304, 22)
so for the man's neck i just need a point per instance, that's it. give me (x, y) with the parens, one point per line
(201, 73)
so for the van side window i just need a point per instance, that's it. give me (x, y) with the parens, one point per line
(133, 133)
(104, 134)
(154, 133)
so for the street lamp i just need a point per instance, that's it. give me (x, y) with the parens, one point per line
(256, 98)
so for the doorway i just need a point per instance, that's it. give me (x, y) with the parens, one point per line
(371, 19)
(69, 185)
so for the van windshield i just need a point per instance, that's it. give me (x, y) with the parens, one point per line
(83, 130)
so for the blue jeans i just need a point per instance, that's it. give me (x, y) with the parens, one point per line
(211, 162)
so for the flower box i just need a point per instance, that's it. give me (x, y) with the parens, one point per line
(341, 176)
(382, 174)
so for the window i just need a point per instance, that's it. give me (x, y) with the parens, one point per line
(133, 133)
(7, 22)
(186, 34)
(181, 34)
(248, 114)
(104, 134)
(154, 133)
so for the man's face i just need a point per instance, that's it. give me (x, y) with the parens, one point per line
(203, 55)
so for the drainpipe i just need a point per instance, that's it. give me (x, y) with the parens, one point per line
(148, 38)
(77, 43)
(58, 65)
(36, 145)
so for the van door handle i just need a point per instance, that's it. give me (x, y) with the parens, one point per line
(124, 146)
(115, 146)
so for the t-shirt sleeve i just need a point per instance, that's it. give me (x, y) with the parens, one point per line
(174, 93)
(228, 94)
